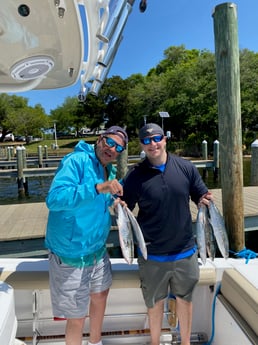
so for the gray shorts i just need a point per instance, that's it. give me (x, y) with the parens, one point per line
(158, 279)
(70, 287)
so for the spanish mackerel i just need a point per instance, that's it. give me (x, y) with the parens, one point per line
(217, 222)
(201, 221)
(125, 233)
(137, 232)
(209, 237)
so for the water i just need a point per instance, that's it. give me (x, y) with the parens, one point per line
(37, 190)
(39, 186)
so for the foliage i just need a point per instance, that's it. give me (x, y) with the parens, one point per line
(17, 117)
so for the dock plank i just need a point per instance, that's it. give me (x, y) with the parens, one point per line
(28, 221)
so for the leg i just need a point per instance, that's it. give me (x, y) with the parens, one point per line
(73, 331)
(155, 321)
(97, 310)
(184, 313)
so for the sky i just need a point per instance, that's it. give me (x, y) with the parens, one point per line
(147, 35)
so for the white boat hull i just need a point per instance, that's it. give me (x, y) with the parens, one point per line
(125, 319)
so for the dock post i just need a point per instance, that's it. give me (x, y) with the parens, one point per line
(229, 121)
(204, 157)
(122, 161)
(9, 153)
(24, 158)
(25, 179)
(21, 189)
(45, 152)
(40, 157)
(216, 160)
(254, 163)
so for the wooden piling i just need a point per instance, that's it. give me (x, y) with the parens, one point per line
(45, 152)
(9, 153)
(216, 160)
(204, 157)
(40, 156)
(229, 119)
(21, 189)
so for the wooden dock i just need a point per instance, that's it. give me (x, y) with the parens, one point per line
(28, 221)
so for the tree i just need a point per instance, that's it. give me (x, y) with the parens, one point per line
(17, 117)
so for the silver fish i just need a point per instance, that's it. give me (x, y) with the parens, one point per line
(125, 233)
(201, 221)
(209, 237)
(137, 232)
(217, 222)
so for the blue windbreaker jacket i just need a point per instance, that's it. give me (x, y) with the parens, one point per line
(79, 220)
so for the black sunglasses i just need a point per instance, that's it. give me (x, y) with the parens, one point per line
(148, 140)
(111, 143)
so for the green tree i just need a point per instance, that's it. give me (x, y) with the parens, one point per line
(17, 117)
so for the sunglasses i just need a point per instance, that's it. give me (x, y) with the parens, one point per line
(148, 140)
(111, 143)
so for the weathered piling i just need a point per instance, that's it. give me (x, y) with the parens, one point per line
(45, 152)
(254, 163)
(9, 153)
(229, 120)
(22, 181)
(40, 156)
(24, 163)
(204, 157)
(216, 160)
(20, 178)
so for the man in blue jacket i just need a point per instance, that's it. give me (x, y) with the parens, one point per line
(78, 226)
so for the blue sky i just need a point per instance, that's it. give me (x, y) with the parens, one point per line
(165, 23)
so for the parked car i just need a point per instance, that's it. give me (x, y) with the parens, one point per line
(8, 137)
(20, 138)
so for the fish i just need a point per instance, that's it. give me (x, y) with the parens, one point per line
(218, 225)
(201, 221)
(125, 233)
(137, 232)
(209, 237)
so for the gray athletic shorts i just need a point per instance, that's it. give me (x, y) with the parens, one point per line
(158, 279)
(71, 287)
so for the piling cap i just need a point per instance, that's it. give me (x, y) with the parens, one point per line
(255, 143)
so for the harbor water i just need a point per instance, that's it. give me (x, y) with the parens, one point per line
(39, 186)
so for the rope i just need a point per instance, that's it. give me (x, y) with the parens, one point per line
(245, 254)
(213, 315)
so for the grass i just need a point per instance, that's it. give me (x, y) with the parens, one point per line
(64, 145)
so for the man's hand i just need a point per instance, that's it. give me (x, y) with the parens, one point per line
(205, 199)
(113, 187)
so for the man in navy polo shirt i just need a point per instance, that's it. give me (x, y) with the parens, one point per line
(162, 185)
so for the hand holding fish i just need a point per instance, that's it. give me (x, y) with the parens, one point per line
(205, 199)
(112, 186)
(210, 228)
(118, 201)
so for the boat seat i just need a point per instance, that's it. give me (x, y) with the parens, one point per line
(239, 286)
(21, 280)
